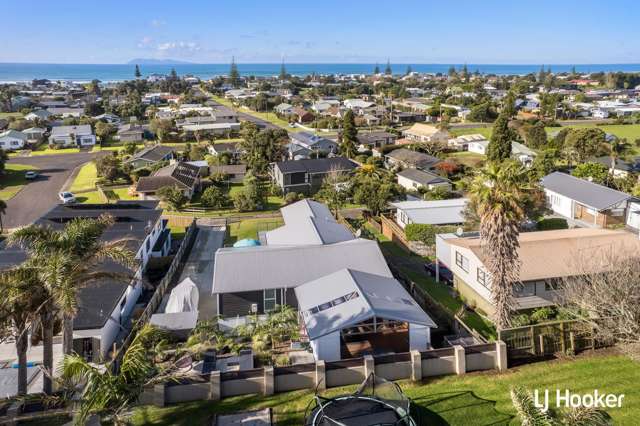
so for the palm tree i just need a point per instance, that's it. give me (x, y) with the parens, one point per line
(498, 193)
(3, 211)
(110, 394)
(23, 296)
(69, 259)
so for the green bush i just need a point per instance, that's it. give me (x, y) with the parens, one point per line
(542, 315)
(426, 233)
(214, 197)
(552, 223)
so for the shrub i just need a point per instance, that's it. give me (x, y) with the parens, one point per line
(552, 223)
(425, 233)
(214, 197)
(541, 315)
(291, 197)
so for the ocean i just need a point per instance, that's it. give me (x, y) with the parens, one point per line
(16, 72)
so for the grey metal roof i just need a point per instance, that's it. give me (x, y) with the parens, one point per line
(80, 130)
(437, 212)
(265, 267)
(422, 177)
(308, 222)
(348, 297)
(317, 165)
(413, 158)
(588, 193)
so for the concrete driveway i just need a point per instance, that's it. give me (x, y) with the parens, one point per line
(41, 195)
(199, 266)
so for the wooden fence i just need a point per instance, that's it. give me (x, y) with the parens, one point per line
(392, 231)
(320, 375)
(549, 338)
(159, 292)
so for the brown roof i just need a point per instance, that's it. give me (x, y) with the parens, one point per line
(562, 253)
(182, 175)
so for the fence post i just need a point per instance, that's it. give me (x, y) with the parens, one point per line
(460, 359)
(159, 391)
(533, 340)
(416, 366)
(562, 338)
(215, 388)
(321, 375)
(268, 388)
(541, 338)
(501, 356)
(572, 342)
(369, 366)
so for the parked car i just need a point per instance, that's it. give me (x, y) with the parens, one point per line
(67, 197)
(445, 273)
(31, 175)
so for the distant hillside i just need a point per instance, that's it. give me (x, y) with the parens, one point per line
(149, 61)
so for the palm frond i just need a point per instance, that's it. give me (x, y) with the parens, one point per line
(529, 414)
(585, 416)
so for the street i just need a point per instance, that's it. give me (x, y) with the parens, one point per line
(39, 196)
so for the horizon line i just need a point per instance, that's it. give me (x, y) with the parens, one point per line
(326, 63)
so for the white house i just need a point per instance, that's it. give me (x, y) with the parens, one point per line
(65, 136)
(436, 212)
(12, 139)
(34, 133)
(478, 146)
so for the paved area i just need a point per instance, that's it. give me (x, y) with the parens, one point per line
(199, 266)
(41, 195)
(34, 354)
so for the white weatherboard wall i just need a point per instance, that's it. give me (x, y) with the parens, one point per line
(408, 183)
(327, 347)
(419, 337)
(470, 277)
(559, 204)
(633, 215)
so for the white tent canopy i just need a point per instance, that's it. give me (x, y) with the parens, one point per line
(184, 298)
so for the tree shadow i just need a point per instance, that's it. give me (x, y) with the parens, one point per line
(457, 408)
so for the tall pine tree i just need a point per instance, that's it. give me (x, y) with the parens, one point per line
(500, 145)
(234, 75)
(349, 136)
(387, 69)
(138, 74)
(283, 71)
(376, 70)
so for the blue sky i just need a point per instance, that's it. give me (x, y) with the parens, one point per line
(352, 31)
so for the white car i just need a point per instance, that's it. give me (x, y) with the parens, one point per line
(31, 175)
(67, 197)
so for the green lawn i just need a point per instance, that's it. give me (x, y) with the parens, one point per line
(10, 114)
(469, 159)
(93, 197)
(13, 180)
(451, 400)
(86, 178)
(249, 228)
(44, 150)
(271, 117)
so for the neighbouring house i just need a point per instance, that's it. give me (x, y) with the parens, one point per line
(130, 132)
(210, 128)
(182, 175)
(12, 139)
(414, 179)
(38, 114)
(421, 132)
(310, 143)
(67, 112)
(479, 146)
(461, 143)
(588, 203)
(409, 159)
(402, 117)
(435, 212)
(302, 115)
(109, 118)
(65, 136)
(233, 173)
(232, 149)
(306, 176)
(546, 257)
(284, 109)
(621, 168)
(150, 156)
(519, 151)
(105, 306)
(310, 250)
(371, 140)
(371, 120)
(34, 134)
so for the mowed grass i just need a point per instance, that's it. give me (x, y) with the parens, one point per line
(93, 197)
(475, 398)
(86, 178)
(271, 116)
(249, 228)
(13, 180)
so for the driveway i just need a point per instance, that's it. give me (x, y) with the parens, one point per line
(41, 195)
(199, 266)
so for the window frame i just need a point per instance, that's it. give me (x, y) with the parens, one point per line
(483, 281)
(266, 299)
(460, 261)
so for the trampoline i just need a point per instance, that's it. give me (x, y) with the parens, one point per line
(377, 402)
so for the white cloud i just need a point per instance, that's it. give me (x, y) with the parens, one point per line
(145, 42)
(158, 23)
(178, 48)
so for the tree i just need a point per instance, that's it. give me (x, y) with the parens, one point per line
(108, 167)
(173, 197)
(3, 160)
(387, 69)
(110, 393)
(137, 72)
(104, 130)
(594, 172)
(409, 70)
(161, 128)
(349, 135)
(332, 191)
(497, 194)
(234, 75)
(22, 295)
(509, 105)
(534, 135)
(214, 197)
(482, 113)
(3, 211)
(251, 197)
(585, 142)
(375, 188)
(92, 109)
(260, 148)
(129, 148)
(283, 72)
(499, 148)
(376, 69)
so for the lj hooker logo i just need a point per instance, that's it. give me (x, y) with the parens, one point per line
(567, 399)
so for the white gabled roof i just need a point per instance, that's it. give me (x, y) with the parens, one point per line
(348, 297)
(437, 212)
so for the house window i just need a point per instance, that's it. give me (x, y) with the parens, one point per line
(481, 276)
(551, 285)
(462, 262)
(270, 300)
(526, 289)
